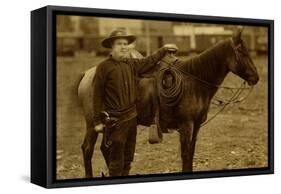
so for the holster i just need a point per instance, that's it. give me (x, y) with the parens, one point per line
(110, 123)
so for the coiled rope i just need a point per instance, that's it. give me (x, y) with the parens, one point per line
(170, 96)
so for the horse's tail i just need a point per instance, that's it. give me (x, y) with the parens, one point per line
(76, 88)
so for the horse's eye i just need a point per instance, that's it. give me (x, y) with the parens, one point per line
(243, 50)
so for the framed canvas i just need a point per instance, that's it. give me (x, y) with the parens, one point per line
(126, 96)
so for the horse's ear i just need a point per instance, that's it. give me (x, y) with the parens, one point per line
(237, 35)
(240, 30)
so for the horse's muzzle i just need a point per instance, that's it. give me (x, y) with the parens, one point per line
(253, 80)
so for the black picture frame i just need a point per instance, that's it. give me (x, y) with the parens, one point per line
(43, 95)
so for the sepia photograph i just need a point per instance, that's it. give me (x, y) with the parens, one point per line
(154, 97)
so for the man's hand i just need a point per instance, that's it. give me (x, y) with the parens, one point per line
(99, 128)
(171, 47)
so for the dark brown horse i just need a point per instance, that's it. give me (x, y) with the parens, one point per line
(201, 77)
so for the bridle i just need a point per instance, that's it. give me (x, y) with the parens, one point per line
(236, 50)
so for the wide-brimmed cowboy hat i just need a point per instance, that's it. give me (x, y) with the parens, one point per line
(119, 33)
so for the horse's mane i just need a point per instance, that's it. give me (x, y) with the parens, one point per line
(210, 63)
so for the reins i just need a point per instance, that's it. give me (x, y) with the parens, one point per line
(233, 100)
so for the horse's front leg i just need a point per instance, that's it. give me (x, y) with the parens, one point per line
(194, 137)
(186, 134)
(157, 122)
(88, 149)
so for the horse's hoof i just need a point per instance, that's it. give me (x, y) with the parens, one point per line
(154, 141)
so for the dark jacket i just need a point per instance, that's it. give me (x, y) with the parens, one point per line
(115, 85)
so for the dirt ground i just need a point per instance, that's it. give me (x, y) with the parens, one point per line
(237, 138)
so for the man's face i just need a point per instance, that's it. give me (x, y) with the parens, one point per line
(120, 48)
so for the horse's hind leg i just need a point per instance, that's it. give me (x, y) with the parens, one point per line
(186, 134)
(105, 151)
(88, 149)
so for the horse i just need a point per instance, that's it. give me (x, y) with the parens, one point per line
(201, 78)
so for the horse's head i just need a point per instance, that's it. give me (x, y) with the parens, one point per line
(242, 63)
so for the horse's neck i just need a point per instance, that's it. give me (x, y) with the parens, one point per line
(211, 65)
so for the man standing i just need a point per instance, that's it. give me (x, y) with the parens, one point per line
(115, 86)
